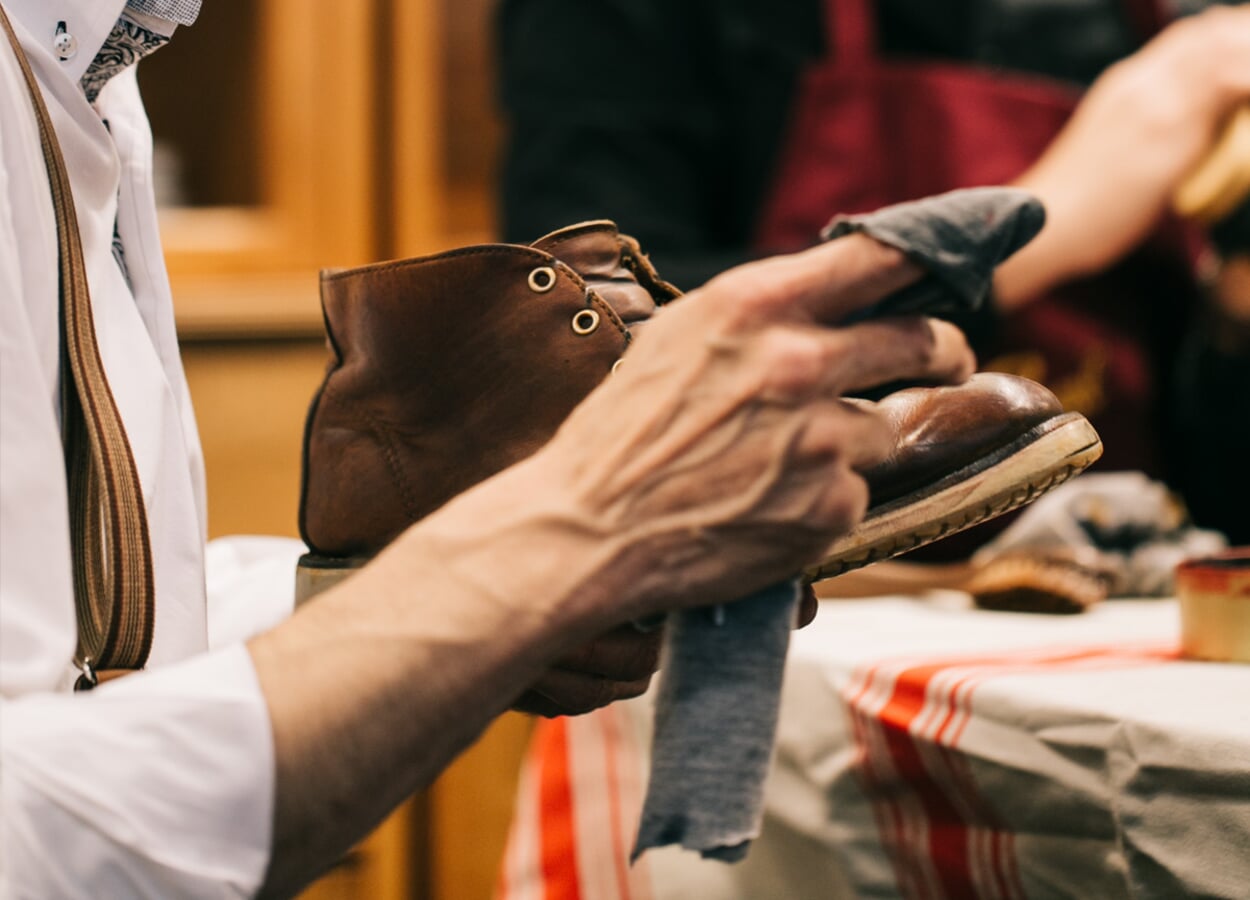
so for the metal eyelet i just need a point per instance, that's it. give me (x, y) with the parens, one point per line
(617, 365)
(88, 679)
(585, 321)
(542, 279)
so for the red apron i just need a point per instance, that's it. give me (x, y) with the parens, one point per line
(867, 131)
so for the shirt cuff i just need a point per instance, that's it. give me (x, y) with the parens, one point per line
(159, 784)
(250, 584)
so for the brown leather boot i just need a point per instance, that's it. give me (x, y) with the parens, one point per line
(964, 455)
(447, 369)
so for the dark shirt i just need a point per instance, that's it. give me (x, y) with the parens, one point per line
(667, 116)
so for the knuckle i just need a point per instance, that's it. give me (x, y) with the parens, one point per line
(918, 337)
(832, 430)
(743, 294)
(845, 503)
(642, 659)
(876, 438)
(1149, 90)
(951, 354)
(1196, 51)
(1230, 40)
(840, 353)
(793, 362)
(1214, 19)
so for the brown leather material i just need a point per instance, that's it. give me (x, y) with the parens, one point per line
(942, 429)
(447, 369)
(613, 265)
(87, 682)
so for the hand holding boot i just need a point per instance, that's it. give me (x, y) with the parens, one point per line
(718, 459)
(721, 454)
(447, 369)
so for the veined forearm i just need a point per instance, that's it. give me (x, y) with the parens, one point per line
(374, 687)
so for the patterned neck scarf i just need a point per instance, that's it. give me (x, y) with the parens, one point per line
(132, 38)
(180, 12)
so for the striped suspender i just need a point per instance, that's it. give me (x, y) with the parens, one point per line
(113, 590)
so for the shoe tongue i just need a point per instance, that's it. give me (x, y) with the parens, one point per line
(594, 251)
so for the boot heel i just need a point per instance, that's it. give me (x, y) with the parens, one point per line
(314, 574)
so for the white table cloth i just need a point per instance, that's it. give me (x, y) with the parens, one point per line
(930, 750)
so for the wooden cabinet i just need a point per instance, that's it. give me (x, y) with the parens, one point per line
(292, 135)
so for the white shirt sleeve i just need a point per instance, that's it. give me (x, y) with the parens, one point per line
(156, 785)
(159, 784)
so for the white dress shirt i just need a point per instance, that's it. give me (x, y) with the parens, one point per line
(159, 784)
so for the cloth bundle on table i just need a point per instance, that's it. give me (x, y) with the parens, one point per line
(1116, 534)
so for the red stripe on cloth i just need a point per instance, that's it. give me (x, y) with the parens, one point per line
(947, 830)
(932, 852)
(612, 739)
(1095, 657)
(557, 832)
(518, 869)
(957, 775)
(873, 764)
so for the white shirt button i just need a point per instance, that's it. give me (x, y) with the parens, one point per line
(64, 44)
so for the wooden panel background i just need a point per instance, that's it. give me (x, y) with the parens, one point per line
(338, 134)
(250, 399)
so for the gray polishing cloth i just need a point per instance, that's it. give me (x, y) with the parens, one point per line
(720, 689)
(959, 238)
(722, 671)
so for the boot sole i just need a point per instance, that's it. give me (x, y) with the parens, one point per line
(1017, 474)
(314, 573)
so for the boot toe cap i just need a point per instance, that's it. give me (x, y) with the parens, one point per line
(940, 430)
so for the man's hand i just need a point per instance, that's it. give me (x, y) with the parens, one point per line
(724, 389)
(721, 458)
(615, 666)
(1142, 127)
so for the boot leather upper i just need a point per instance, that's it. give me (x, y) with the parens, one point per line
(613, 265)
(447, 369)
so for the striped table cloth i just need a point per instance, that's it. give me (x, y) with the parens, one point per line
(928, 750)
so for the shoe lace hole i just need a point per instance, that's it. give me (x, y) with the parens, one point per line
(542, 279)
(585, 321)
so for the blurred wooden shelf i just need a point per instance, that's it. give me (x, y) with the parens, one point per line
(247, 306)
(293, 135)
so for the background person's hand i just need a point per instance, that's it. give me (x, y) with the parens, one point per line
(1143, 126)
